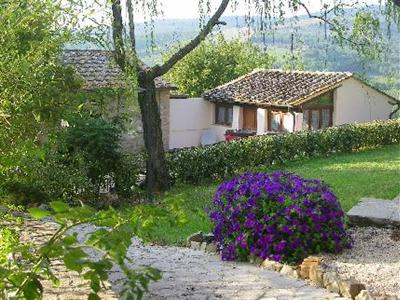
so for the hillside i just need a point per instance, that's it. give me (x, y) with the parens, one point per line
(316, 52)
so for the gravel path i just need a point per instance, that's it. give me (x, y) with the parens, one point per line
(186, 274)
(374, 260)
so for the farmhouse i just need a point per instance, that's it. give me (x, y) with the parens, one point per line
(261, 102)
(103, 82)
(276, 101)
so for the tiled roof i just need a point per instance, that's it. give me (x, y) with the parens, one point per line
(98, 70)
(276, 87)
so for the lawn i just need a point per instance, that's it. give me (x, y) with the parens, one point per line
(370, 173)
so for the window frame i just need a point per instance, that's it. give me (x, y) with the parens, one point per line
(320, 115)
(226, 107)
(281, 114)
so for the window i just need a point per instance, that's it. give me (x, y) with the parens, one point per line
(317, 112)
(275, 121)
(223, 114)
(326, 118)
(314, 119)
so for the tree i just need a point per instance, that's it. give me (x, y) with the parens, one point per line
(157, 178)
(364, 35)
(197, 73)
(35, 88)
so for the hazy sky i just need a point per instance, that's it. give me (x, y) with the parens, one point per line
(185, 9)
(189, 8)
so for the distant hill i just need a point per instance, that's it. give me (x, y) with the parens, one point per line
(317, 52)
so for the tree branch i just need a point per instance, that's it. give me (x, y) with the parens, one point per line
(181, 53)
(118, 34)
(310, 15)
(131, 25)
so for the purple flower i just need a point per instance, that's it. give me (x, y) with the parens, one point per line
(276, 257)
(279, 247)
(250, 223)
(280, 216)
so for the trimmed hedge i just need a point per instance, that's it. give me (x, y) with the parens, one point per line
(228, 158)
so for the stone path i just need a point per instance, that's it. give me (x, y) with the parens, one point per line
(194, 274)
(186, 274)
(370, 211)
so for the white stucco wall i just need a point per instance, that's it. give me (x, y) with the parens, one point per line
(236, 117)
(288, 122)
(189, 120)
(261, 113)
(356, 102)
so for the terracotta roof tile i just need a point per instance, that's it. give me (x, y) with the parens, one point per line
(98, 70)
(276, 87)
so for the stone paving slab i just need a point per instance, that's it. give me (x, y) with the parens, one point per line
(378, 212)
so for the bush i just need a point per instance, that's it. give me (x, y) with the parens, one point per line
(75, 164)
(278, 216)
(22, 194)
(228, 158)
(97, 141)
(43, 175)
(127, 175)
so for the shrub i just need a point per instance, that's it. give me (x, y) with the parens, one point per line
(227, 158)
(97, 141)
(127, 175)
(279, 216)
(73, 166)
(41, 176)
(22, 194)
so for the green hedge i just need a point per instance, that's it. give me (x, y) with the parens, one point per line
(227, 158)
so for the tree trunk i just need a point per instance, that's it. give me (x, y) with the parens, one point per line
(157, 178)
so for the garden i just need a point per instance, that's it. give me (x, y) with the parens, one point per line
(274, 198)
(82, 218)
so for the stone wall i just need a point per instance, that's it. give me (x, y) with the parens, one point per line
(132, 139)
(164, 105)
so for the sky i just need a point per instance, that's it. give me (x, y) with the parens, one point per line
(178, 9)
(188, 9)
(182, 9)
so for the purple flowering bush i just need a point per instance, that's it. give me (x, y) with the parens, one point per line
(279, 216)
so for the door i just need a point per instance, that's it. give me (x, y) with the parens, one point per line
(250, 118)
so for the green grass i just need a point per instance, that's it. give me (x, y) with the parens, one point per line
(370, 173)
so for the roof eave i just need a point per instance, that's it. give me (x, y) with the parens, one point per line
(249, 103)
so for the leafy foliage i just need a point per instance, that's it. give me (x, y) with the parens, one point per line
(278, 216)
(215, 62)
(24, 266)
(98, 142)
(43, 174)
(227, 158)
(35, 87)
(76, 163)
